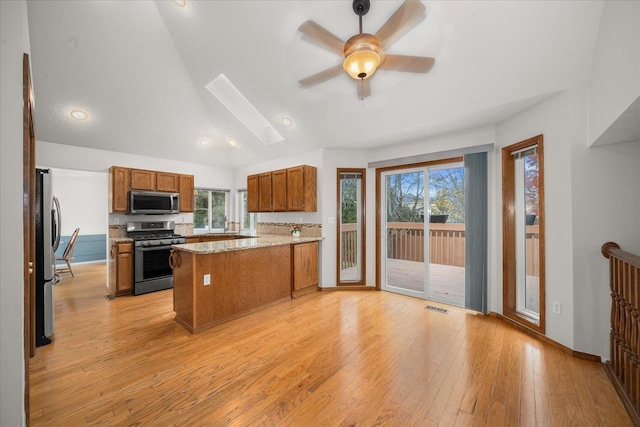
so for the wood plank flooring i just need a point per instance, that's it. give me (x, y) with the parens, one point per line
(328, 359)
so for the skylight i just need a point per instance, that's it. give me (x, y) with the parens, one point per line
(235, 102)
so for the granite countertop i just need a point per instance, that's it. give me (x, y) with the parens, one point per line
(228, 233)
(262, 241)
(120, 239)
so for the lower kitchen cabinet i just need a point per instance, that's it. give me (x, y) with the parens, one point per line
(121, 269)
(305, 268)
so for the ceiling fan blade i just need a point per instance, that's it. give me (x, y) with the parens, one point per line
(408, 15)
(320, 36)
(411, 64)
(364, 88)
(322, 76)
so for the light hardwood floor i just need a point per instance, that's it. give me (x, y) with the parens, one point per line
(328, 359)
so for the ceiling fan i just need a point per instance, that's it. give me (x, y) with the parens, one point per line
(365, 53)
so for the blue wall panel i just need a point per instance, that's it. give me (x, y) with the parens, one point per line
(89, 247)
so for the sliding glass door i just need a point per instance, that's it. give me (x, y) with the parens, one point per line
(422, 232)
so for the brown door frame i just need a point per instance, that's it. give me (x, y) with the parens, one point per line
(28, 223)
(509, 308)
(379, 172)
(363, 216)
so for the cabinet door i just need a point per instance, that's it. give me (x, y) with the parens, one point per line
(167, 182)
(186, 193)
(305, 265)
(302, 193)
(279, 190)
(119, 179)
(264, 192)
(143, 180)
(125, 268)
(253, 197)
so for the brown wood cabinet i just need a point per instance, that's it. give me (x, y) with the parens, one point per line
(305, 267)
(293, 189)
(123, 180)
(121, 269)
(279, 190)
(143, 180)
(302, 189)
(119, 185)
(253, 198)
(186, 188)
(264, 192)
(168, 182)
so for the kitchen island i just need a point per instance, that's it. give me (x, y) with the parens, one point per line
(217, 281)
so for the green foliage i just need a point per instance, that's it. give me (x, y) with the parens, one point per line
(349, 198)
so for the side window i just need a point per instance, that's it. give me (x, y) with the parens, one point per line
(523, 233)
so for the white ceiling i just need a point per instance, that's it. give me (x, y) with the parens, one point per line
(139, 69)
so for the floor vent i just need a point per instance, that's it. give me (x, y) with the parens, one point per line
(438, 309)
(109, 297)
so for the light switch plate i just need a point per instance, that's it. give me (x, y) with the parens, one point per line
(207, 279)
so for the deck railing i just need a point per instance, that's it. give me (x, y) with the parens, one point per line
(624, 366)
(446, 244)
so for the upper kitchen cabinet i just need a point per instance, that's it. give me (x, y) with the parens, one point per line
(186, 187)
(279, 190)
(253, 198)
(168, 182)
(123, 180)
(293, 189)
(302, 182)
(264, 192)
(119, 185)
(143, 180)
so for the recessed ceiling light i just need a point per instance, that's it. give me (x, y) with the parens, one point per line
(204, 142)
(232, 142)
(287, 122)
(180, 3)
(79, 114)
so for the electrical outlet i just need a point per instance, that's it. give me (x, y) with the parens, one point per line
(116, 221)
(331, 220)
(207, 279)
(557, 307)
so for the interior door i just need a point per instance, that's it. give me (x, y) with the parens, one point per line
(404, 246)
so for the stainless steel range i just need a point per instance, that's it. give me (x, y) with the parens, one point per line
(152, 247)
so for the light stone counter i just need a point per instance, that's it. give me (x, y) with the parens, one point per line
(262, 241)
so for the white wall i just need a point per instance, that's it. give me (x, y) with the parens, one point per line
(606, 207)
(552, 119)
(88, 159)
(14, 36)
(615, 77)
(334, 159)
(83, 197)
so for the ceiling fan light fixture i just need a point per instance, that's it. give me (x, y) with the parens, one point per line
(361, 57)
(361, 65)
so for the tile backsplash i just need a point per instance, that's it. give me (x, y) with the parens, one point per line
(306, 230)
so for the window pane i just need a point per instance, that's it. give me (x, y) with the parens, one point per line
(218, 209)
(201, 210)
(350, 227)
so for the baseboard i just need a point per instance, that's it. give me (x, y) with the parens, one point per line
(350, 288)
(547, 340)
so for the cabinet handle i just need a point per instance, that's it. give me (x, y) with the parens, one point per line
(174, 260)
(112, 252)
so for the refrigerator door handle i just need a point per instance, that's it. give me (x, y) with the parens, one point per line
(57, 224)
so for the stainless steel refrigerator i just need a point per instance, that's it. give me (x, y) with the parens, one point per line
(48, 223)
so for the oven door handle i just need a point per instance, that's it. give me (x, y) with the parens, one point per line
(152, 248)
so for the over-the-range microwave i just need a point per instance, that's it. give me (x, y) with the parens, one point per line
(154, 202)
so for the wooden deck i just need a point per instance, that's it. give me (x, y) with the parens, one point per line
(447, 282)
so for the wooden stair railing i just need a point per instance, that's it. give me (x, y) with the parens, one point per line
(624, 366)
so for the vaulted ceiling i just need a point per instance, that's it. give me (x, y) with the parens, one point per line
(139, 69)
